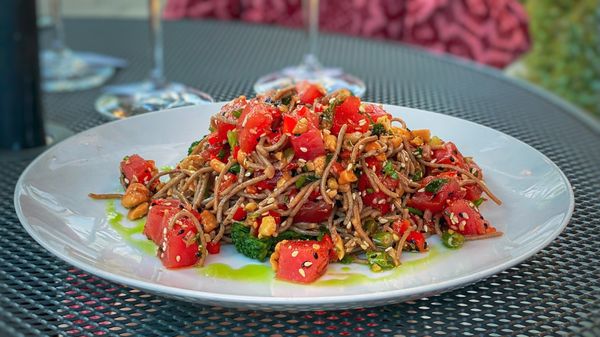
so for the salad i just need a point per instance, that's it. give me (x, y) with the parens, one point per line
(305, 179)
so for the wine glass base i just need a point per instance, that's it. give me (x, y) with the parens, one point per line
(330, 78)
(64, 71)
(133, 99)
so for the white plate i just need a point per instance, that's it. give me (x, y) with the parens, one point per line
(52, 204)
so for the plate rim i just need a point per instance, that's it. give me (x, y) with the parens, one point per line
(289, 302)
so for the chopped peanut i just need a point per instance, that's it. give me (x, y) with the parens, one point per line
(217, 165)
(286, 176)
(319, 164)
(209, 221)
(330, 143)
(283, 108)
(241, 158)
(332, 183)
(344, 188)
(192, 162)
(251, 206)
(347, 177)
(339, 247)
(385, 121)
(310, 165)
(424, 134)
(417, 141)
(301, 126)
(267, 227)
(332, 193)
(275, 256)
(138, 211)
(135, 194)
(278, 155)
(372, 146)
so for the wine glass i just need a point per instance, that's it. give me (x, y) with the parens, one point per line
(154, 94)
(311, 69)
(66, 70)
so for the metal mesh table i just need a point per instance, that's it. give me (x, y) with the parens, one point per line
(557, 292)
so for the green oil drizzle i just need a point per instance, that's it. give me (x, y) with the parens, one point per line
(247, 273)
(346, 279)
(115, 219)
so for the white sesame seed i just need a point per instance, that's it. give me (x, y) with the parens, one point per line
(381, 202)
(349, 167)
(316, 246)
(461, 225)
(362, 122)
(303, 149)
(177, 258)
(421, 190)
(301, 272)
(465, 215)
(383, 220)
(433, 161)
(247, 174)
(307, 264)
(295, 253)
(388, 249)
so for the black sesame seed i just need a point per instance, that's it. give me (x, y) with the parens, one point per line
(316, 256)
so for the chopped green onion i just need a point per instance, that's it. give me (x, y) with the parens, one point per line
(383, 239)
(417, 176)
(370, 226)
(415, 211)
(379, 261)
(478, 202)
(370, 190)
(237, 113)
(286, 100)
(221, 154)
(347, 259)
(232, 138)
(435, 185)
(388, 170)
(454, 240)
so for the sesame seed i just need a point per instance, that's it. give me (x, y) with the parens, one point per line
(307, 264)
(388, 249)
(381, 202)
(425, 228)
(316, 246)
(383, 220)
(464, 215)
(295, 253)
(433, 161)
(461, 225)
(362, 122)
(349, 167)
(303, 149)
(421, 190)
(177, 258)
(301, 272)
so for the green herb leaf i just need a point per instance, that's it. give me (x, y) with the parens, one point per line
(478, 202)
(435, 185)
(235, 168)
(192, 147)
(286, 100)
(305, 179)
(232, 138)
(221, 154)
(417, 176)
(237, 113)
(388, 170)
(378, 129)
(415, 211)
(370, 190)
(347, 259)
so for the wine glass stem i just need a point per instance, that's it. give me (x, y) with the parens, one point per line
(157, 74)
(58, 36)
(311, 8)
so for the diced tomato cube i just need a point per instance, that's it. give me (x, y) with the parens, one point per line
(240, 214)
(348, 113)
(435, 202)
(308, 145)
(179, 247)
(213, 247)
(255, 121)
(137, 169)
(308, 93)
(464, 218)
(301, 261)
(313, 211)
(159, 214)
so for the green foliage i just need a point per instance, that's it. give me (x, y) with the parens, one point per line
(565, 57)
